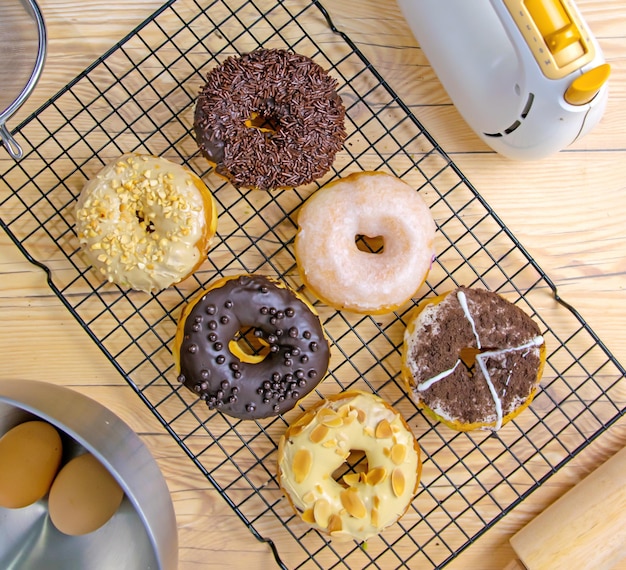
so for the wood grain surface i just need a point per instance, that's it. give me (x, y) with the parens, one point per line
(569, 211)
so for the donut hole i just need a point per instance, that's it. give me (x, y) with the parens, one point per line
(355, 463)
(248, 346)
(468, 355)
(147, 225)
(264, 122)
(369, 244)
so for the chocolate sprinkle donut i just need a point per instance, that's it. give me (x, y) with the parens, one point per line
(211, 364)
(269, 119)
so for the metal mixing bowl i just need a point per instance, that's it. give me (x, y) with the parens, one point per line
(141, 535)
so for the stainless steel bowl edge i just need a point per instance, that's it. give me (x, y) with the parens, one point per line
(116, 445)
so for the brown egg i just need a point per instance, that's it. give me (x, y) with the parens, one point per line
(83, 497)
(30, 454)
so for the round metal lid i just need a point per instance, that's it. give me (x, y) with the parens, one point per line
(22, 55)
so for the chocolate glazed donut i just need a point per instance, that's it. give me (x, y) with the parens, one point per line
(210, 360)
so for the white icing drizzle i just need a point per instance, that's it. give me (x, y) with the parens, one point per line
(508, 378)
(425, 385)
(482, 358)
(494, 394)
(463, 302)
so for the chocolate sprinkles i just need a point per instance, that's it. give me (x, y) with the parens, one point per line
(270, 119)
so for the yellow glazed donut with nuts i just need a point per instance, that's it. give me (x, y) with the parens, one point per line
(145, 222)
(368, 497)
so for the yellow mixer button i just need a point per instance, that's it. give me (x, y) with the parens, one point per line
(586, 86)
(549, 16)
(558, 29)
(560, 39)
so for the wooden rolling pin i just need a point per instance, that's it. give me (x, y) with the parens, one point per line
(584, 529)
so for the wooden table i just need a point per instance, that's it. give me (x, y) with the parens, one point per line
(569, 211)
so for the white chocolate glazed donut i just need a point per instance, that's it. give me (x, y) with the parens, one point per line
(318, 443)
(376, 205)
(145, 222)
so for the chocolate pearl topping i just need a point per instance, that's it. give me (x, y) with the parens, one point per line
(296, 361)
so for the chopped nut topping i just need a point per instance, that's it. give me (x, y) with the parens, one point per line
(353, 503)
(309, 497)
(398, 482)
(375, 518)
(304, 419)
(344, 410)
(334, 523)
(318, 433)
(329, 418)
(376, 475)
(322, 512)
(351, 479)
(360, 415)
(302, 461)
(383, 430)
(398, 453)
(296, 430)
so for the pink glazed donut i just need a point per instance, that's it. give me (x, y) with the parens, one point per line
(375, 205)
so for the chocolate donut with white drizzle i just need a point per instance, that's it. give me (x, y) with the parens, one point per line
(472, 359)
(293, 357)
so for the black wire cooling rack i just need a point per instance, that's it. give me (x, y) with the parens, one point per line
(140, 97)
